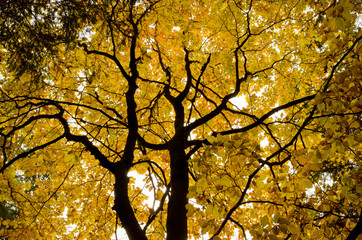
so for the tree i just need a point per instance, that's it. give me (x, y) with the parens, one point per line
(129, 113)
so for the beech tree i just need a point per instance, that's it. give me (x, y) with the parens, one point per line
(180, 119)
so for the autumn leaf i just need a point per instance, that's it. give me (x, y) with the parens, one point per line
(180, 119)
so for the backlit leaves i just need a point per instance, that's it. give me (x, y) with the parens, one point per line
(283, 164)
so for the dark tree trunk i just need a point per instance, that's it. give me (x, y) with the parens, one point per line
(176, 215)
(124, 209)
(357, 230)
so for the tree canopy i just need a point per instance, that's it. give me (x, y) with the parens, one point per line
(180, 119)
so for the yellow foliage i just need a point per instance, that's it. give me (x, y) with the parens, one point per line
(96, 94)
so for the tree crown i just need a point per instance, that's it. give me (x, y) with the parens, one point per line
(180, 119)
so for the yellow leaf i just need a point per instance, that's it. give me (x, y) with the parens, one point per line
(293, 229)
(359, 188)
(302, 160)
(159, 195)
(306, 183)
(264, 220)
(201, 185)
(314, 167)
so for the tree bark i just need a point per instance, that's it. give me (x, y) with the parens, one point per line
(123, 207)
(176, 215)
(356, 230)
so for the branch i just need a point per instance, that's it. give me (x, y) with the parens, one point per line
(218, 109)
(103, 160)
(203, 69)
(250, 178)
(56, 190)
(239, 225)
(356, 230)
(186, 90)
(153, 146)
(334, 68)
(47, 102)
(113, 58)
(160, 208)
(27, 153)
(267, 115)
(237, 205)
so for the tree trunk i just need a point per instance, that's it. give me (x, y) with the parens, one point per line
(176, 215)
(124, 209)
(356, 230)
